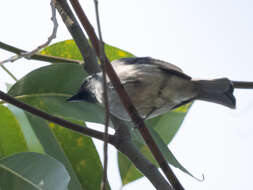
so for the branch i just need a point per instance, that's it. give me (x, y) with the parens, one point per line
(139, 123)
(50, 38)
(9, 73)
(64, 123)
(122, 141)
(37, 56)
(105, 96)
(242, 84)
(85, 22)
(87, 52)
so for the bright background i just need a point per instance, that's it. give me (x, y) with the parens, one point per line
(207, 39)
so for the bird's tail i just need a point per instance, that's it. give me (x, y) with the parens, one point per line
(218, 91)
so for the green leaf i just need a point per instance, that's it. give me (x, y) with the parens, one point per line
(32, 171)
(68, 49)
(167, 125)
(82, 155)
(41, 89)
(75, 151)
(115, 53)
(32, 141)
(167, 153)
(163, 128)
(11, 180)
(48, 88)
(52, 147)
(11, 136)
(127, 170)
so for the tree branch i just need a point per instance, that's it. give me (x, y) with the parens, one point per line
(243, 84)
(138, 121)
(50, 38)
(9, 73)
(38, 56)
(105, 96)
(64, 123)
(122, 141)
(87, 52)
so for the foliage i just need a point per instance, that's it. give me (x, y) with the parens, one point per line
(47, 88)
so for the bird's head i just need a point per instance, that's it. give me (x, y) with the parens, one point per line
(85, 91)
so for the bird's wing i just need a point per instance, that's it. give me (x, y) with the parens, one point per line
(167, 67)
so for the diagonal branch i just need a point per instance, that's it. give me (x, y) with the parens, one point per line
(38, 56)
(87, 52)
(50, 38)
(138, 121)
(119, 141)
(64, 123)
(8, 72)
(125, 145)
(65, 12)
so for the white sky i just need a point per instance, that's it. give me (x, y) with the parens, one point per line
(207, 39)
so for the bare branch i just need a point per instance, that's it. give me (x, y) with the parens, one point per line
(105, 95)
(121, 140)
(243, 84)
(50, 38)
(37, 56)
(87, 52)
(64, 123)
(124, 144)
(10, 59)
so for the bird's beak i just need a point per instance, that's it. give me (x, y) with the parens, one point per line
(83, 95)
(75, 97)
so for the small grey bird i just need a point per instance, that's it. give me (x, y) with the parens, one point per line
(155, 87)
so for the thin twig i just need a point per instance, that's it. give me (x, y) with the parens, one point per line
(105, 95)
(28, 55)
(9, 73)
(36, 56)
(64, 123)
(10, 59)
(50, 38)
(139, 123)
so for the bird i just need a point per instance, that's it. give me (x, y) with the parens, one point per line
(154, 87)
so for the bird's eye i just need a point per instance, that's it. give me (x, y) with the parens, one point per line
(85, 82)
